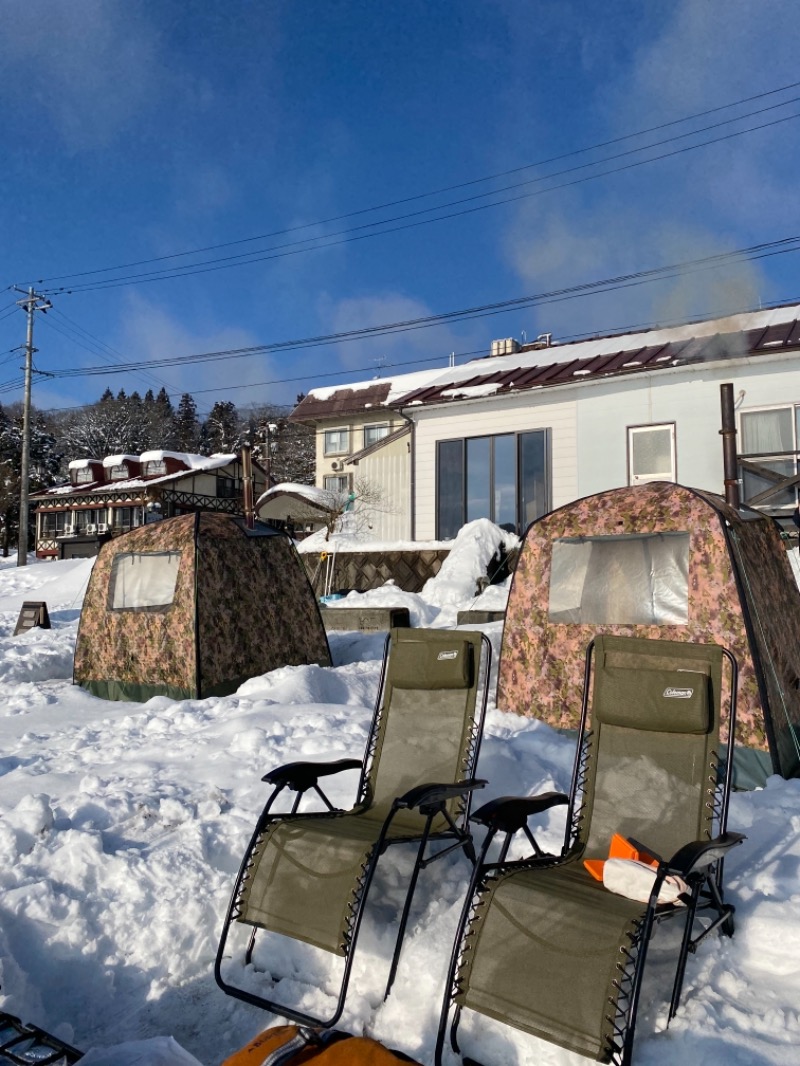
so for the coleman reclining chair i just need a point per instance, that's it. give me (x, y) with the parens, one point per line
(307, 875)
(543, 945)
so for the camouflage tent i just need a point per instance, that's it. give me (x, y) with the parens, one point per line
(658, 560)
(192, 607)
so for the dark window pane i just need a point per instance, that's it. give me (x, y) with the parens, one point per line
(534, 490)
(505, 482)
(478, 502)
(450, 488)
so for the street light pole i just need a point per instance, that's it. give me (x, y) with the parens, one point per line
(33, 302)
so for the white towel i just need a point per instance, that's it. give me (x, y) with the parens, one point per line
(633, 879)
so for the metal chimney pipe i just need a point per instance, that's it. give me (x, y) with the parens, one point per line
(247, 486)
(728, 432)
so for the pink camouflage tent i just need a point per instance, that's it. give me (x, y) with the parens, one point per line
(658, 560)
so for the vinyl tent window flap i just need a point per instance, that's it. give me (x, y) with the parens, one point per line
(143, 579)
(632, 579)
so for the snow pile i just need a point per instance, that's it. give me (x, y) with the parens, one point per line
(122, 827)
(473, 554)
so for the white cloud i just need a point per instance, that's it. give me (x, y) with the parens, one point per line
(692, 56)
(434, 344)
(90, 66)
(149, 331)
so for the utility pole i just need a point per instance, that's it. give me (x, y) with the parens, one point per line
(33, 302)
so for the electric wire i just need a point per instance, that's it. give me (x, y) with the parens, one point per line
(449, 188)
(754, 252)
(75, 332)
(316, 243)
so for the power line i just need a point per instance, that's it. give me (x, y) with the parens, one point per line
(73, 331)
(620, 330)
(754, 252)
(251, 258)
(449, 188)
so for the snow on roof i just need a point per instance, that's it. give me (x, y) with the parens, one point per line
(620, 342)
(316, 496)
(81, 464)
(398, 386)
(472, 391)
(194, 462)
(118, 460)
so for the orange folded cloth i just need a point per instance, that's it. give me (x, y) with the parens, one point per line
(620, 848)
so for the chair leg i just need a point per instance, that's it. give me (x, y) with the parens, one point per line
(686, 946)
(407, 906)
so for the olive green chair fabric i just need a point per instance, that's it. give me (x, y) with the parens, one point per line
(305, 875)
(549, 950)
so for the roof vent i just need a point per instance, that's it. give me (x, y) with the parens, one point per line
(544, 340)
(507, 346)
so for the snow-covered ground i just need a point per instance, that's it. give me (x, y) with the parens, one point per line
(122, 826)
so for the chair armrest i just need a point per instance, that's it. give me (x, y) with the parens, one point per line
(507, 814)
(701, 853)
(300, 776)
(434, 795)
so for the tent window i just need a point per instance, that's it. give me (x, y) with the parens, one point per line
(624, 580)
(140, 579)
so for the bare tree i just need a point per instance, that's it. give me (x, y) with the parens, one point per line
(353, 511)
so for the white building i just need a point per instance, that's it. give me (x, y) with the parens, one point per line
(531, 427)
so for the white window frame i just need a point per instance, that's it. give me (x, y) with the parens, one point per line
(768, 456)
(119, 472)
(665, 475)
(380, 429)
(83, 475)
(343, 482)
(155, 468)
(337, 441)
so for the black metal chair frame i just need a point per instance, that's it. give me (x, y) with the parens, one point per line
(429, 799)
(28, 1045)
(699, 863)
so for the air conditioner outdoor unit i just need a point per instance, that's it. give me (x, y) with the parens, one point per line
(102, 527)
(338, 465)
(91, 528)
(69, 531)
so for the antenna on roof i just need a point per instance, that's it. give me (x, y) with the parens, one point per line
(451, 361)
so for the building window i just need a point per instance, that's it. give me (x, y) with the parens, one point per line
(337, 483)
(504, 478)
(372, 434)
(87, 520)
(155, 467)
(768, 453)
(337, 441)
(227, 487)
(118, 472)
(83, 475)
(126, 518)
(651, 454)
(53, 523)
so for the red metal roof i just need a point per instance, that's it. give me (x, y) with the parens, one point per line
(719, 346)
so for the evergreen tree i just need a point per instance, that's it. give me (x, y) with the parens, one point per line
(45, 461)
(186, 425)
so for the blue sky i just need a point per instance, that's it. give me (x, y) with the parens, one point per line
(139, 130)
